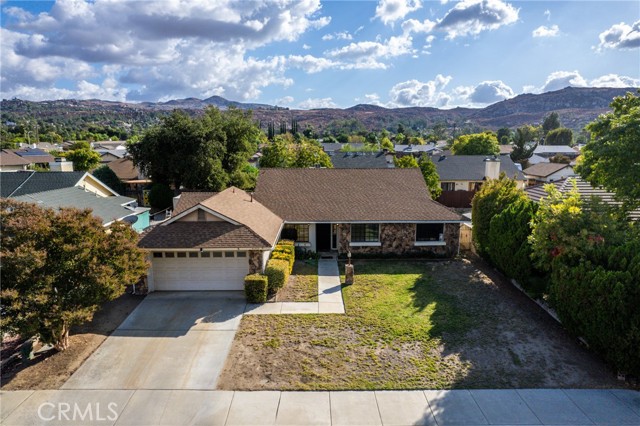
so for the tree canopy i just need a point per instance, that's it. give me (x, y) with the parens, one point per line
(58, 267)
(198, 153)
(559, 136)
(430, 174)
(406, 162)
(284, 153)
(612, 157)
(476, 144)
(84, 159)
(551, 122)
(109, 178)
(524, 143)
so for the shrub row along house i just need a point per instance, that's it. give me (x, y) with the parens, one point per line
(214, 240)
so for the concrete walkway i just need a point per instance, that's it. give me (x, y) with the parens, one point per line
(190, 407)
(329, 296)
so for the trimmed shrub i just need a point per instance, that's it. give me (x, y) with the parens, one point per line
(280, 255)
(277, 272)
(255, 288)
(286, 243)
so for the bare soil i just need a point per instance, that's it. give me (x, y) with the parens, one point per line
(415, 325)
(49, 370)
(302, 285)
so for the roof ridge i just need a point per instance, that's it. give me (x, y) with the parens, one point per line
(23, 182)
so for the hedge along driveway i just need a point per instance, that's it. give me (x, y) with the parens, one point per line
(413, 325)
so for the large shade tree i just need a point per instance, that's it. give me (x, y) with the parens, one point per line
(476, 144)
(59, 267)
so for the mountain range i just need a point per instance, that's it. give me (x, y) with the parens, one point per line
(575, 106)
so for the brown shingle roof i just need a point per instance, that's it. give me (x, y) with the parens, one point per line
(544, 169)
(193, 235)
(241, 207)
(190, 199)
(124, 169)
(347, 195)
(8, 158)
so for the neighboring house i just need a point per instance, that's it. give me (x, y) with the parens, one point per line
(415, 150)
(35, 156)
(109, 145)
(133, 180)
(535, 159)
(361, 160)
(548, 151)
(11, 162)
(212, 244)
(73, 189)
(214, 240)
(109, 155)
(462, 175)
(331, 146)
(547, 172)
(586, 190)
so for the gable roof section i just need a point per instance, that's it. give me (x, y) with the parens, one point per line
(349, 195)
(359, 160)
(8, 158)
(108, 209)
(195, 235)
(544, 169)
(124, 169)
(23, 183)
(189, 199)
(471, 167)
(586, 190)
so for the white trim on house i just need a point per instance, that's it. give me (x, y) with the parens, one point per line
(429, 243)
(206, 209)
(371, 244)
(374, 221)
(107, 189)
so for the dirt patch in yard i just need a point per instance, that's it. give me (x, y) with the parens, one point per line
(413, 325)
(302, 285)
(51, 369)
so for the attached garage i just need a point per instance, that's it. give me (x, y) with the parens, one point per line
(194, 271)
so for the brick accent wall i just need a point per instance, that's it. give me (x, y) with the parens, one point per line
(399, 238)
(255, 262)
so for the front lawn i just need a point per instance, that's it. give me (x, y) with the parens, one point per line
(410, 325)
(303, 283)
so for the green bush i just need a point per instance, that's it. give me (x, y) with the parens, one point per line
(255, 288)
(277, 272)
(160, 196)
(281, 255)
(509, 248)
(598, 300)
(287, 243)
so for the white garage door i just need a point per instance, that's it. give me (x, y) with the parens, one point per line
(225, 272)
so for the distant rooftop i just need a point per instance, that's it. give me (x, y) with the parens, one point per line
(360, 160)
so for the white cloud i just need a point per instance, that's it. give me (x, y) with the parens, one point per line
(389, 11)
(620, 36)
(315, 103)
(166, 49)
(366, 54)
(343, 35)
(614, 80)
(561, 79)
(471, 17)
(485, 93)
(306, 46)
(547, 14)
(414, 26)
(287, 100)
(418, 93)
(543, 31)
(312, 64)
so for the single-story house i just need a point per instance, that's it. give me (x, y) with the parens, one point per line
(361, 160)
(586, 190)
(12, 162)
(35, 156)
(462, 175)
(337, 146)
(553, 150)
(415, 150)
(214, 240)
(109, 155)
(73, 189)
(547, 172)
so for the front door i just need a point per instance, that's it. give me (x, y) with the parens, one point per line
(323, 237)
(334, 236)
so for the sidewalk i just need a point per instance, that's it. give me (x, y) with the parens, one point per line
(329, 296)
(455, 407)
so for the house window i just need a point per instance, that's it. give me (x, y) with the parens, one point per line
(242, 254)
(202, 217)
(169, 254)
(365, 233)
(182, 254)
(157, 254)
(448, 186)
(193, 254)
(298, 232)
(430, 232)
(216, 254)
(205, 254)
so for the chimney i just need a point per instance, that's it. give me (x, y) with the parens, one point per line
(491, 168)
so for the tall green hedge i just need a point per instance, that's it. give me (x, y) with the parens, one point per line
(255, 288)
(599, 300)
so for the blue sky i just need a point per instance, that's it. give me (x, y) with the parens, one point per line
(309, 54)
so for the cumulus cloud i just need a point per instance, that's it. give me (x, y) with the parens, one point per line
(368, 52)
(312, 64)
(418, 93)
(487, 92)
(543, 31)
(471, 17)
(389, 11)
(343, 35)
(620, 36)
(166, 48)
(414, 26)
(614, 80)
(561, 79)
(287, 100)
(315, 103)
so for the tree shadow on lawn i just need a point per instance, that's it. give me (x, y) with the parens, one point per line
(482, 333)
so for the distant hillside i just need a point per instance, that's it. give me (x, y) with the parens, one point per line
(576, 107)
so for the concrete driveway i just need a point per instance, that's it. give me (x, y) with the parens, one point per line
(172, 340)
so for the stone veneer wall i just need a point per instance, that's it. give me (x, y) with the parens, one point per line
(255, 262)
(399, 238)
